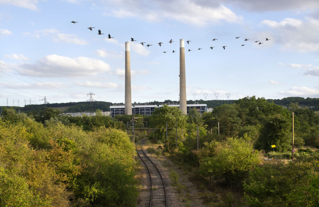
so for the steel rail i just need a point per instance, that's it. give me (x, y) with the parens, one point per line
(149, 174)
(165, 195)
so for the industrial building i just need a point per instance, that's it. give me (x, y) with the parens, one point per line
(149, 109)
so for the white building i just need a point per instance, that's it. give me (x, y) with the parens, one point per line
(149, 109)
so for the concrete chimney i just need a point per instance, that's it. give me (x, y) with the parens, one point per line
(128, 96)
(182, 79)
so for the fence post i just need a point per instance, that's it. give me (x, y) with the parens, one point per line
(166, 130)
(176, 134)
(197, 139)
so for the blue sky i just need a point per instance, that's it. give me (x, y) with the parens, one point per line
(43, 54)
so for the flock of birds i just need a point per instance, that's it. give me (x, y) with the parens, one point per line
(171, 41)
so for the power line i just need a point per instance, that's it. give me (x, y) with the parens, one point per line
(26, 75)
(20, 90)
(14, 93)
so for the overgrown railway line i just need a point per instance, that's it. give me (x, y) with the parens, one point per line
(158, 194)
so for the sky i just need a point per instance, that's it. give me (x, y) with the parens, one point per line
(42, 54)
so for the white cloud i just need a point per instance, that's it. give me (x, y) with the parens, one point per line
(69, 38)
(281, 64)
(60, 66)
(41, 85)
(268, 5)
(294, 34)
(139, 49)
(310, 69)
(114, 41)
(286, 22)
(99, 85)
(274, 82)
(294, 65)
(3, 66)
(111, 54)
(312, 72)
(47, 31)
(139, 88)
(17, 57)
(121, 72)
(186, 11)
(5, 32)
(29, 4)
(301, 91)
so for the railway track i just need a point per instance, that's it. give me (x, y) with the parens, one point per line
(158, 195)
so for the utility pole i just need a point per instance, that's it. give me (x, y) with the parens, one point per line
(166, 130)
(7, 102)
(197, 139)
(133, 134)
(218, 128)
(205, 95)
(227, 94)
(293, 135)
(44, 101)
(176, 133)
(216, 94)
(91, 100)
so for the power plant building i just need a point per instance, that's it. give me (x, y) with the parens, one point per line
(148, 110)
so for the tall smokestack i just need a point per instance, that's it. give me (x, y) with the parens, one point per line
(128, 97)
(182, 79)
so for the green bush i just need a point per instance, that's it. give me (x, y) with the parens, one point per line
(60, 165)
(272, 183)
(231, 160)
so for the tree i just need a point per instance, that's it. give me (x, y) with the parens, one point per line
(231, 160)
(275, 131)
(171, 115)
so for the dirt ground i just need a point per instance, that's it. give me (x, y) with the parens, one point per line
(181, 191)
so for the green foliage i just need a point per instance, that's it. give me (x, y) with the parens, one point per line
(231, 159)
(276, 184)
(171, 115)
(276, 131)
(60, 165)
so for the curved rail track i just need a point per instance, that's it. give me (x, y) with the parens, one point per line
(158, 196)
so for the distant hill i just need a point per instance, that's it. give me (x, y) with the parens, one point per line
(312, 103)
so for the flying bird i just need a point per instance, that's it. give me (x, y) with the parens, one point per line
(164, 51)
(243, 45)
(267, 39)
(189, 50)
(199, 48)
(173, 51)
(260, 43)
(214, 39)
(256, 41)
(90, 28)
(224, 47)
(132, 39)
(74, 22)
(100, 33)
(188, 41)
(148, 45)
(212, 48)
(237, 37)
(109, 36)
(171, 41)
(142, 43)
(246, 39)
(160, 44)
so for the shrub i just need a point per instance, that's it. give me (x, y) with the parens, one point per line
(231, 160)
(271, 183)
